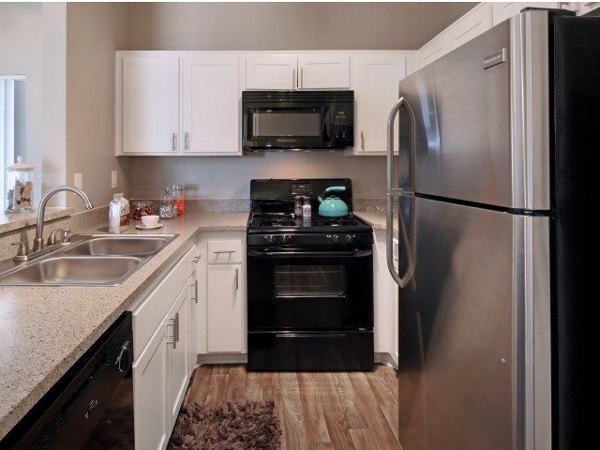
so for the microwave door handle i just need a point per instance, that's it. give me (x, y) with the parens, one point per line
(255, 125)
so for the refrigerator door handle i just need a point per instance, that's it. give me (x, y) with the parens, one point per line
(402, 281)
(397, 192)
(390, 142)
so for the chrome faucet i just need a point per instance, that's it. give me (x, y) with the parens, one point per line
(38, 242)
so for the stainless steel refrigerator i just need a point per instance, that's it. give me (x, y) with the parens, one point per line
(491, 195)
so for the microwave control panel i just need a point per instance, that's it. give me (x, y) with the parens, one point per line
(342, 129)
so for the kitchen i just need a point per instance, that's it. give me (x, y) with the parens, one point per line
(133, 97)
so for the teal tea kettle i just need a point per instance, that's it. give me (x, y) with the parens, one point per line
(333, 206)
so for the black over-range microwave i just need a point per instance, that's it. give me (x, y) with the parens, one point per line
(298, 120)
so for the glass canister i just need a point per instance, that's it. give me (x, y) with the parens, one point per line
(18, 186)
(168, 208)
(177, 191)
(141, 208)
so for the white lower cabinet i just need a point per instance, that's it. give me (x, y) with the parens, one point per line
(385, 298)
(224, 309)
(150, 394)
(161, 368)
(221, 312)
(177, 354)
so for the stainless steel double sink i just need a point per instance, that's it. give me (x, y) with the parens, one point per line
(91, 260)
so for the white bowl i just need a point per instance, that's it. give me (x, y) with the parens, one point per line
(150, 221)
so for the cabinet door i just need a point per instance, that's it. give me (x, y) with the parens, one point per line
(318, 71)
(271, 71)
(472, 24)
(150, 394)
(194, 301)
(210, 104)
(504, 10)
(177, 354)
(225, 327)
(434, 49)
(376, 80)
(150, 104)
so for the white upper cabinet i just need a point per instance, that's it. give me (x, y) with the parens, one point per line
(472, 24)
(271, 71)
(150, 120)
(585, 7)
(505, 10)
(210, 104)
(286, 71)
(323, 71)
(434, 49)
(375, 82)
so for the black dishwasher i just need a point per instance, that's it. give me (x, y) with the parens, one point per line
(91, 406)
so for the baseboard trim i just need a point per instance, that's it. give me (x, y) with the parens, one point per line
(387, 359)
(223, 358)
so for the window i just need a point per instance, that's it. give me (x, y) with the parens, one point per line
(12, 123)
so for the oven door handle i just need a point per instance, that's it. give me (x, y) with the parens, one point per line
(309, 254)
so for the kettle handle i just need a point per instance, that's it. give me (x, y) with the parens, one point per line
(335, 189)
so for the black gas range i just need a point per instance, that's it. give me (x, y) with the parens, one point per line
(310, 282)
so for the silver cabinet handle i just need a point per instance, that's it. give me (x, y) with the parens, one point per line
(237, 284)
(174, 142)
(174, 339)
(294, 80)
(176, 334)
(186, 140)
(194, 287)
(223, 251)
(362, 140)
(302, 77)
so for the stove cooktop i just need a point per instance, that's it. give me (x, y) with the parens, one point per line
(286, 222)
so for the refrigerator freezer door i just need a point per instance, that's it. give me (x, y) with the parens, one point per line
(481, 113)
(475, 310)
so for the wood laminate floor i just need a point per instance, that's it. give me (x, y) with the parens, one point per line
(335, 411)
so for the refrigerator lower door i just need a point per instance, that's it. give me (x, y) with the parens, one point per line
(476, 309)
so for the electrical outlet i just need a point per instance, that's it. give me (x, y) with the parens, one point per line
(78, 180)
(113, 179)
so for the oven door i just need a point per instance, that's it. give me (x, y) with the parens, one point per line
(287, 126)
(310, 290)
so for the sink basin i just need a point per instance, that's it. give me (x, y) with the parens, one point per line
(119, 246)
(76, 270)
(91, 260)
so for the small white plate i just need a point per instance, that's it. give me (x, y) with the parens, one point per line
(141, 226)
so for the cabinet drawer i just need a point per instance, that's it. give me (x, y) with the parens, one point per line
(149, 314)
(224, 252)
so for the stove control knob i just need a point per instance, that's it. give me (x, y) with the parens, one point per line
(269, 239)
(335, 238)
(286, 238)
(349, 238)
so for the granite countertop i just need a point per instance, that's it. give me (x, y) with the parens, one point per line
(45, 330)
(375, 219)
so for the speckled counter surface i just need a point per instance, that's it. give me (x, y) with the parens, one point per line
(44, 330)
(375, 219)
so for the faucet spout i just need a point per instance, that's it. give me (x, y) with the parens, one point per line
(38, 242)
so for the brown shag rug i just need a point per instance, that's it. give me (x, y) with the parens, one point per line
(232, 426)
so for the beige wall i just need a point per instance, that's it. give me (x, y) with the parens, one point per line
(32, 42)
(223, 177)
(276, 26)
(289, 26)
(94, 32)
